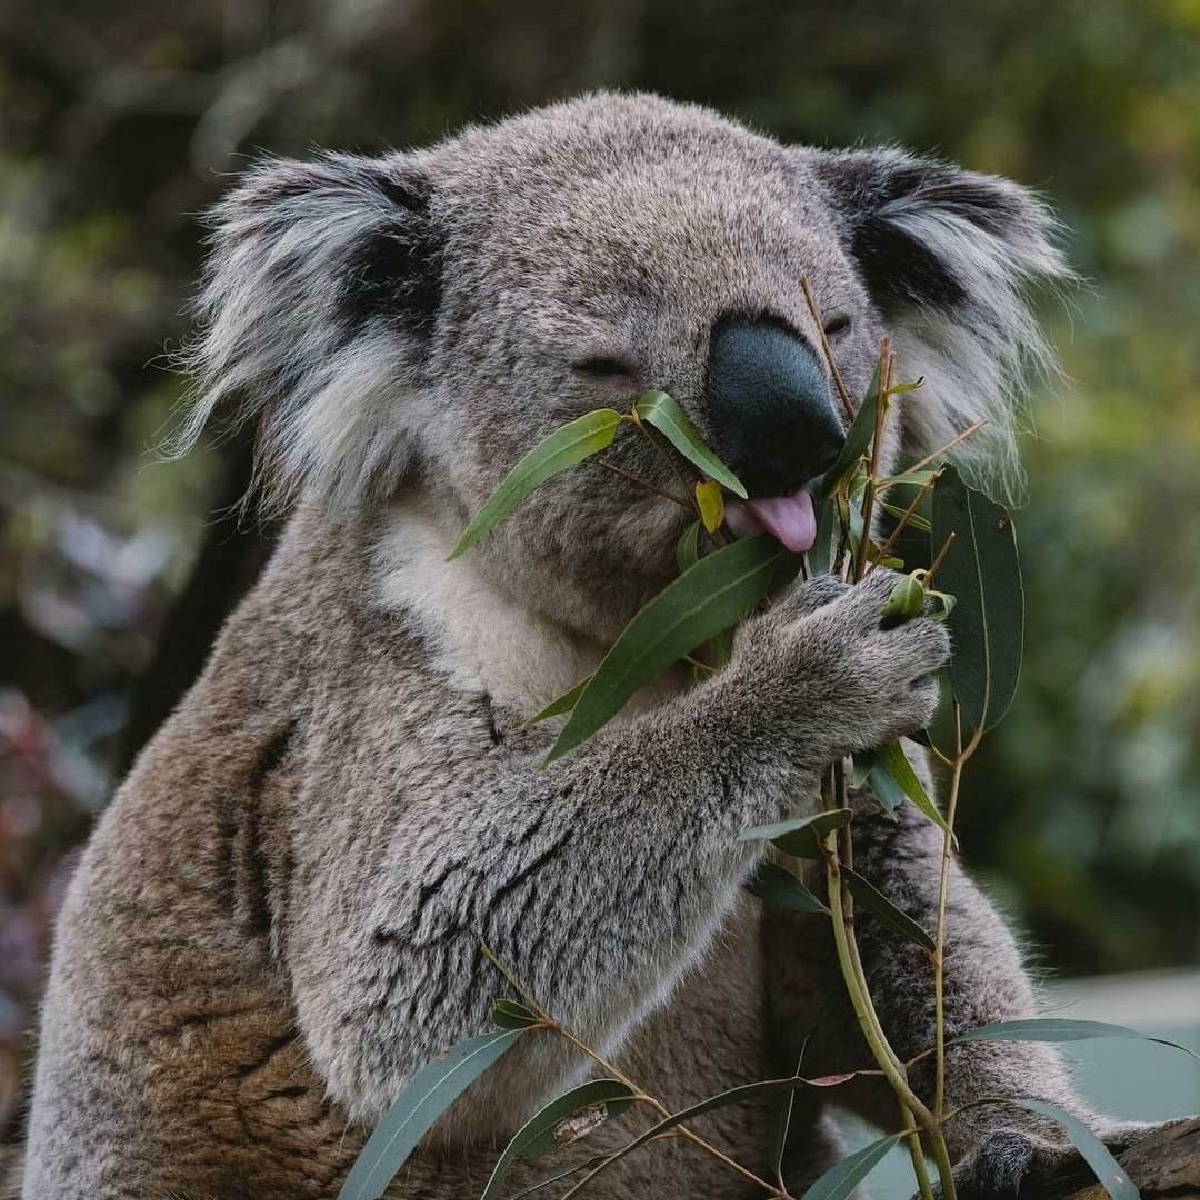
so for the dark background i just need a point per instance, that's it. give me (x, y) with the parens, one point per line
(119, 121)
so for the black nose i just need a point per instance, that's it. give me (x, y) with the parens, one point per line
(772, 417)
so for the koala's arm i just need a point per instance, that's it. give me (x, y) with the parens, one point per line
(596, 880)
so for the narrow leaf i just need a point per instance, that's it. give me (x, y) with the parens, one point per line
(778, 887)
(661, 411)
(820, 557)
(564, 703)
(795, 836)
(858, 440)
(1094, 1152)
(429, 1093)
(892, 768)
(710, 500)
(913, 520)
(983, 571)
(586, 1165)
(868, 896)
(548, 1127)
(687, 549)
(1057, 1029)
(512, 1014)
(718, 592)
(571, 444)
(840, 1181)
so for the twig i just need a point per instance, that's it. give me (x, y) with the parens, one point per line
(962, 437)
(881, 412)
(838, 381)
(644, 483)
(940, 558)
(894, 536)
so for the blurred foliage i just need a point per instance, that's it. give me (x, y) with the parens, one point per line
(123, 119)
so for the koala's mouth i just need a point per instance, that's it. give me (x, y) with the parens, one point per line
(790, 520)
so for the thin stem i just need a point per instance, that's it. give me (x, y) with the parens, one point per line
(907, 515)
(939, 953)
(689, 485)
(954, 441)
(644, 484)
(664, 1112)
(916, 1152)
(881, 412)
(940, 558)
(838, 381)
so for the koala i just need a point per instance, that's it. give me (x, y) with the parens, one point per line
(278, 919)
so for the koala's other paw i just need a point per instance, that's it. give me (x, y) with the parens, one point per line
(833, 673)
(1017, 1164)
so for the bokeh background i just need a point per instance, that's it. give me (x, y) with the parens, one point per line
(121, 119)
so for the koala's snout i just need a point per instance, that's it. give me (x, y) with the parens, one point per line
(771, 411)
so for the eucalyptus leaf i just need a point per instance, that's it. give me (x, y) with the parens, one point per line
(868, 896)
(777, 887)
(820, 557)
(715, 594)
(512, 1014)
(839, 1181)
(710, 500)
(1057, 1029)
(912, 520)
(892, 769)
(429, 1093)
(571, 444)
(982, 570)
(795, 836)
(1093, 1151)
(858, 441)
(661, 411)
(563, 704)
(687, 549)
(543, 1130)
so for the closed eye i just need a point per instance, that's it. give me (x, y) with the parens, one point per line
(605, 366)
(836, 326)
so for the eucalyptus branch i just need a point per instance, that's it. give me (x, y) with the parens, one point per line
(838, 381)
(644, 484)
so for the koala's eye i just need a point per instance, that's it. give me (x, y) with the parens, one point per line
(605, 366)
(836, 326)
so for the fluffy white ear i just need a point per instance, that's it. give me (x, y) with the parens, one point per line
(322, 283)
(948, 256)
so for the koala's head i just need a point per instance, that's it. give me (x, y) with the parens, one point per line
(413, 324)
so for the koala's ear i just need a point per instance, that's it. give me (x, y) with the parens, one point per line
(323, 281)
(947, 256)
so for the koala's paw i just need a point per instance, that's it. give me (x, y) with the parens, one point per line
(1017, 1164)
(843, 681)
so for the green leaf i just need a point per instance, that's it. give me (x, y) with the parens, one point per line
(867, 895)
(820, 557)
(586, 1165)
(892, 769)
(795, 836)
(914, 520)
(545, 1129)
(737, 1095)
(661, 411)
(858, 440)
(710, 500)
(687, 549)
(564, 703)
(778, 887)
(1094, 1152)
(429, 1093)
(983, 571)
(840, 1181)
(571, 444)
(1057, 1029)
(916, 478)
(718, 592)
(907, 600)
(511, 1014)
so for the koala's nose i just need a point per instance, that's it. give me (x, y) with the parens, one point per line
(769, 403)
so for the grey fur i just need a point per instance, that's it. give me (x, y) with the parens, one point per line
(275, 923)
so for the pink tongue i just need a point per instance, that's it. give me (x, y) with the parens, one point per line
(788, 519)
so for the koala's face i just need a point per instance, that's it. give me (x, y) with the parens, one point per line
(420, 322)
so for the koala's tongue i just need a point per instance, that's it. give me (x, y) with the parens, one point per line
(788, 519)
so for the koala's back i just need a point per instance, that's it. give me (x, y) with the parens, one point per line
(171, 1064)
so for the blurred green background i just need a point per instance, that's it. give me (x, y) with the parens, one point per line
(122, 120)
